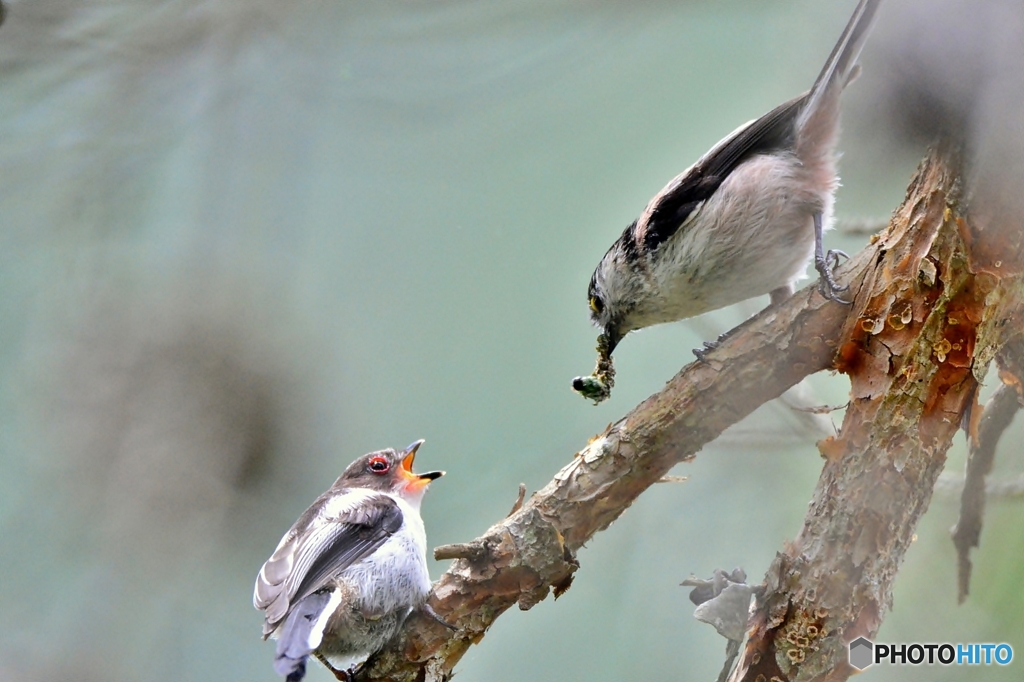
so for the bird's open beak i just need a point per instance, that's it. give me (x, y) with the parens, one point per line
(416, 481)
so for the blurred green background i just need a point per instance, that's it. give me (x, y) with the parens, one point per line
(245, 242)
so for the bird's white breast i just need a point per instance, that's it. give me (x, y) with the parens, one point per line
(395, 576)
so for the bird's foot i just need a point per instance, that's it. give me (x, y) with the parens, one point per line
(429, 610)
(825, 264)
(702, 353)
(827, 285)
(709, 346)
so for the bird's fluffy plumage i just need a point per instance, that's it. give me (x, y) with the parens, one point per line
(339, 530)
(740, 222)
(347, 573)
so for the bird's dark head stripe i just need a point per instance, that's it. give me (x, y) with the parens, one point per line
(669, 215)
(625, 244)
(630, 246)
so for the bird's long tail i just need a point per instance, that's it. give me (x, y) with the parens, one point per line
(843, 60)
(300, 636)
(818, 121)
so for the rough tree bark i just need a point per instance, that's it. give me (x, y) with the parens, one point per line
(926, 322)
(924, 327)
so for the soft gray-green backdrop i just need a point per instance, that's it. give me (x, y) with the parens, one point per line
(245, 242)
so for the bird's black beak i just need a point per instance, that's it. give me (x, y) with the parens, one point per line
(612, 336)
(409, 455)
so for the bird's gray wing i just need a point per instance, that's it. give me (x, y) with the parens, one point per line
(667, 211)
(774, 131)
(318, 548)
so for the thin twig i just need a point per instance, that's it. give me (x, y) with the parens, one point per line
(996, 418)
(519, 500)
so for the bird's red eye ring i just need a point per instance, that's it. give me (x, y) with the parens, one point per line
(379, 465)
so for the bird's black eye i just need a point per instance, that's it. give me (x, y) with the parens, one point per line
(379, 465)
(596, 304)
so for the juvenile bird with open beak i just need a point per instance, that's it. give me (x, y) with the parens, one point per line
(344, 578)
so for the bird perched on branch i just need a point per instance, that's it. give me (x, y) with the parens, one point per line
(344, 578)
(744, 220)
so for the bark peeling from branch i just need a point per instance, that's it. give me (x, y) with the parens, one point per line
(913, 351)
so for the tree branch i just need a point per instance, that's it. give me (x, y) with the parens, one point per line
(923, 330)
(519, 560)
(911, 297)
(985, 434)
